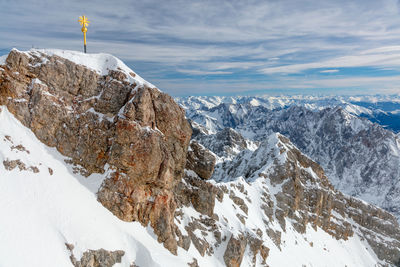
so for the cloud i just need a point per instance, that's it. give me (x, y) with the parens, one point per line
(370, 83)
(229, 46)
(379, 57)
(329, 71)
(200, 72)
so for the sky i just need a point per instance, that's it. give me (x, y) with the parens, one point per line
(227, 47)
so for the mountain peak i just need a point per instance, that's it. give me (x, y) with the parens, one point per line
(101, 63)
(106, 119)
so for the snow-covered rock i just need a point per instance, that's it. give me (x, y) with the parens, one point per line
(360, 158)
(382, 109)
(278, 202)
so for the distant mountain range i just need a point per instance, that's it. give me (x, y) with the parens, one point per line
(360, 157)
(382, 109)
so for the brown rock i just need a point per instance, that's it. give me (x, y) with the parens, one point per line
(201, 194)
(200, 160)
(234, 252)
(183, 241)
(20, 148)
(240, 202)
(10, 165)
(96, 258)
(257, 247)
(199, 243)
(140, 132)
(193, 263)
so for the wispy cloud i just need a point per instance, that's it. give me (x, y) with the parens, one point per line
(329, 71)
(380, 57)
(229, 46)
(201, 72)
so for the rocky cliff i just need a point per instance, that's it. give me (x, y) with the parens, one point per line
(104, 119)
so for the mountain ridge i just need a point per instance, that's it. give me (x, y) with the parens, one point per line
(360, 157)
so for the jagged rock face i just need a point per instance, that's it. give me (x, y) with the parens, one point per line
(197, 129)
(140, 132)
(360, 158)
(198, 193)
(234, 251)
(203, 195)
(200, 160)
(140, 138)
(225, 143)
(292, 188)
(310, 198)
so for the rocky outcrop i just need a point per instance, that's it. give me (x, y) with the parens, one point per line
(201, 195)
(198, 193)
(96, 258)
(200, 160)
(10, 165)
(234, 251)
(225, 143)
(113, 119)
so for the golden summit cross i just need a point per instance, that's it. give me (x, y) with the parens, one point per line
(83, 20)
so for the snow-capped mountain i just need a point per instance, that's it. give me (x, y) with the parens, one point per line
(360, 158)
(278, 197)
(382, 109)
(97, 169)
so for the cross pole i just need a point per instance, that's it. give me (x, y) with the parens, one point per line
(83, 20)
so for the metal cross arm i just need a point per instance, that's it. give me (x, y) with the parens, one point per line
(83, 20)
